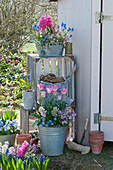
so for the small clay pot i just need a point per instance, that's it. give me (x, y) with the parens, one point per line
(21, 138)
(96, 140)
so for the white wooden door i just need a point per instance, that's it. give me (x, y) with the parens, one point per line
(107, 71)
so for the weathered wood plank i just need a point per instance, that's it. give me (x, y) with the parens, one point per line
(59, 67)
(73, 80)
(46, 66)
(53, 65)
(38, 74)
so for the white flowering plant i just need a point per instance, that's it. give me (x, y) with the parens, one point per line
(8, 124)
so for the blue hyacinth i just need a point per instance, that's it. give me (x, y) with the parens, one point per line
(58, 26)
(55, 118)
(42, 159)
(24, 76)
(69, 29)
(1, 122)
(31, 35)
(28, 76)
(62, 24)
(59, 112)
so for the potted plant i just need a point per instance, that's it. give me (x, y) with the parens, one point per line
(34, 137)
(53, 118)
(22, 157)
(50, 39)
(27, 93)
(8, 128)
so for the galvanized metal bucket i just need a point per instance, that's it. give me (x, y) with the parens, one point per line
(52, 140)
(10, 138)
(53, 50)
(28, 100)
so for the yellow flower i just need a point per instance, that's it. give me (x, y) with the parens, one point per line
(55, 108)
(53, 112)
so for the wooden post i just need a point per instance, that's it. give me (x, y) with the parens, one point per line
(24, 119)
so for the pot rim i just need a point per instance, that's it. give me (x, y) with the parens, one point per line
(9, 134)
(23, 135)
(96, 133)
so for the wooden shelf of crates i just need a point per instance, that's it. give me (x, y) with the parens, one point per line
(36, 66)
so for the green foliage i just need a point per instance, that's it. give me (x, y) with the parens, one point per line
(12, 68)
(26, 83)
(9, 163)
(16, 18)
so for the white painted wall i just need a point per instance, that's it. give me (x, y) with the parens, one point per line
(80, 15)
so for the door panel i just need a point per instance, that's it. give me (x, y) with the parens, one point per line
(107, 71)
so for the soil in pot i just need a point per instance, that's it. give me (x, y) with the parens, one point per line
(21, 138)
(96, 140)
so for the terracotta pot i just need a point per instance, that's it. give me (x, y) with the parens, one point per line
(21, 138)
(10, 138)
(96, 140)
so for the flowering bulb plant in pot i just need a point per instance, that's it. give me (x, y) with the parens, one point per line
(27, 93)
(21, 157)
(8, 128)
(53, 117)
(50, 39)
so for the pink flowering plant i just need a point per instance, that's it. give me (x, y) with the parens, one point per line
(51, 112)
(22, 157)
(46, 33)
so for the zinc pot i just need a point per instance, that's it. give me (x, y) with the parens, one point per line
(28, 100)
(52, 50)
(23, 137)
(10, 138)
(96, 140)
(52, 140)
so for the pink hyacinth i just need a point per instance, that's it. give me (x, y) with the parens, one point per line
(40, 86)
(49, 89)
(43, 93)
(59, 97)
(55, 87)
(63, 90)
(48, 21)
(19, 152)
(42, 22)
(25, 146)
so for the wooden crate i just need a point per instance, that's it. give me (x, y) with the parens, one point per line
(60, 66)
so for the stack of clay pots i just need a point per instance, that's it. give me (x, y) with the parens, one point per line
(96, 140)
